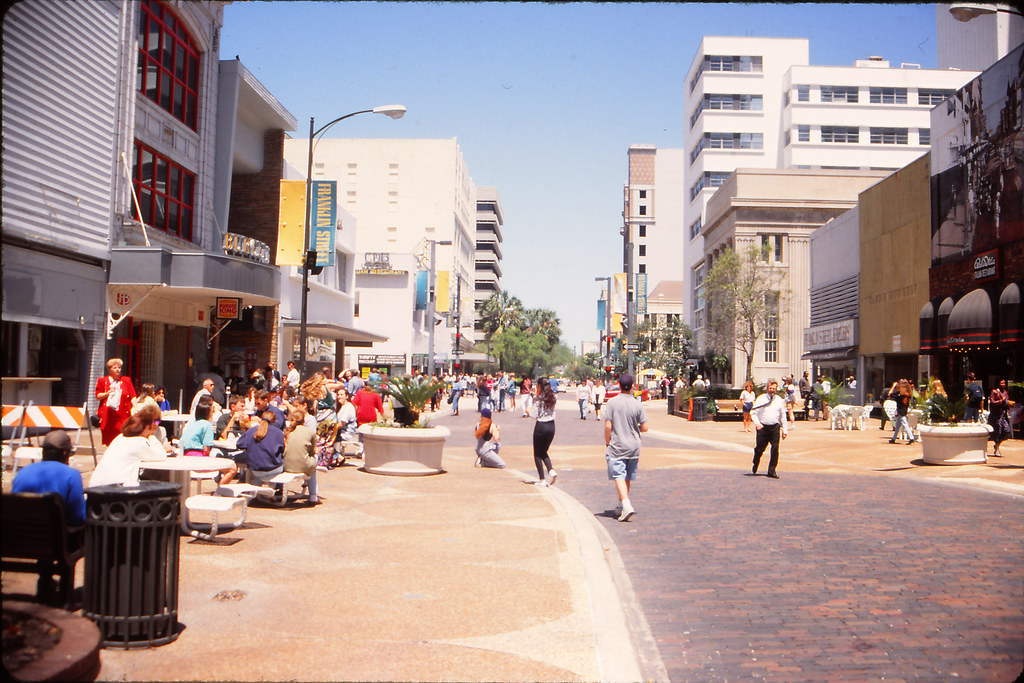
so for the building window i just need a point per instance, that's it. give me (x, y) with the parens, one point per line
(708, 179)
(726, 63)
(643, 210)
(642, 268)
(642, 230)
(168, 64)
(888, 95)
(803, 93)
(698, 295)
(771, 248)
(771, 330)
(840, 134)
(924, 136)
(932, 97)
(695, 228)
(350, 196)
(727, 141)
(643, 194)
(642, 250)
(786, 140)
(803, 133)
(889, 136)
(727, 102)
(165, 192)
(839, 93)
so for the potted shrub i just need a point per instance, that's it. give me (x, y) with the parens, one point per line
(404, 444)
(946, 440)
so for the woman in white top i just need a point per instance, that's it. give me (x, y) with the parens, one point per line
(120, 463)
(747, 397)
(544, 432)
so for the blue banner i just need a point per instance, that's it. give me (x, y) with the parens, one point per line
(640, 293)
(421, 289)
(325, 218)
(602, 316)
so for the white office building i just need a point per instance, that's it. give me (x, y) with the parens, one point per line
(758, 103)
(409, 198)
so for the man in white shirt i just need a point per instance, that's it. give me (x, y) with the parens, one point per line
(292, 378)
(206, 390)
(769, 418)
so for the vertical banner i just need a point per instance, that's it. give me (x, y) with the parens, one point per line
(441, 295)
(325, 217)
(619, 293)
(291, 223)
(617, 323)
(640, 293)
(421, 290)
(601, 314)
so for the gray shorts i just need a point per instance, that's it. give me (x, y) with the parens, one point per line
(622, 468)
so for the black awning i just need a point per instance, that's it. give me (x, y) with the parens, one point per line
(945, 308)
(1009, 314)
(929, 343)
(831, 354)
(970, 322)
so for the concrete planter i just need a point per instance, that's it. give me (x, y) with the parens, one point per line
(76, 657)
(960, 444)
(403, 452)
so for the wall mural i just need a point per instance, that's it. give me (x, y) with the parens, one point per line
(977, 164)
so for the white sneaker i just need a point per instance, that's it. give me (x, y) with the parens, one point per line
(552, 475)
(627, 511)
(540, 482)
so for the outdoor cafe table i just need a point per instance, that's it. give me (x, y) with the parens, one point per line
(181, 467)
(177, 419)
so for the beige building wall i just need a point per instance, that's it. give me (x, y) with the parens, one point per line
(895, 228)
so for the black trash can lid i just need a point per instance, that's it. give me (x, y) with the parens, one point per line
(144, 489)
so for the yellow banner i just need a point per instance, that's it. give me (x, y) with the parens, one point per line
(442, 291)
(617, 323)
(291, 227)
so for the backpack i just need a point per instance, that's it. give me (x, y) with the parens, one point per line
(975, 394)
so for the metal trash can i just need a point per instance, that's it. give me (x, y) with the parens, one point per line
(671, 404)
(700, 409)
(131, 563)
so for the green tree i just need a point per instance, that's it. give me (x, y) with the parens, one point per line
(664, 343)
(543, 321)
(745, 298)
(498, 312)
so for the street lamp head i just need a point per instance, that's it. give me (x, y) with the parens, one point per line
(395, 111)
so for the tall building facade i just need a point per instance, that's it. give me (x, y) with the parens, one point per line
(123, 144)
(490, 220)
(758, 103)
(409, 198)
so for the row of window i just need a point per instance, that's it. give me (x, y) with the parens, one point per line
(165, 192)
(168, 64)
(850, 94)
(726, 102)
(851, 134)
(727, 141)
(708, 179)
(727, 63)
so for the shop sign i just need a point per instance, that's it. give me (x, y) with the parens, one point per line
(229, 308)
(381, 359)
(378, 263)
(986, 265)
(831, 336)
(247, 248)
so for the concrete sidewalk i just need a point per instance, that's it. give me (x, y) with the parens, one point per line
(469, 575)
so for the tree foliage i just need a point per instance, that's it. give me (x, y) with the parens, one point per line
(525, 341)
(744, 297)
(664, 344)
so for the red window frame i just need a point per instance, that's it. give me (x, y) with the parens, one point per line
(168, 65)
(165, 191)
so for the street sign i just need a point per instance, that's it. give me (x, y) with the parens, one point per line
(456, 352)
(630, 347)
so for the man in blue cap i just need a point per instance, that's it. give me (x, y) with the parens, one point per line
(624, 419)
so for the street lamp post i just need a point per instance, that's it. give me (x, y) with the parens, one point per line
(432, 296)
(395, 111)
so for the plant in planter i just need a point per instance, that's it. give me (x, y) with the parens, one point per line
(405, 445)
(945, 440)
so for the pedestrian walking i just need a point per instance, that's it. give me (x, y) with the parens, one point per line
(114, 393)
(624, 419)
(975, 397)
(583, 398)
(903, 398)
(597, 396)
(999, 405)
(544, 432)
(747, 397)
(769, 417)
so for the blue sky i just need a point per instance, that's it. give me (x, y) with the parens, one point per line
(543, 98)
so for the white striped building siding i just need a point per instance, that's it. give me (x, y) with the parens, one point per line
(61, 75)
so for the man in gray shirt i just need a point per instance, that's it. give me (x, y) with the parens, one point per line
(624, 419)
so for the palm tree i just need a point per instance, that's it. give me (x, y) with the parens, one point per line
(498, 312)
(544, 321)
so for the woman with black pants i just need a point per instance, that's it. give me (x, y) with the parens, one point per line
(544, 432)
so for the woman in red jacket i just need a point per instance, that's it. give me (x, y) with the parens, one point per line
(367, 404)
(115, 394)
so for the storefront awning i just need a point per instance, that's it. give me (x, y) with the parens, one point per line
(970, 322)
(196, 276)
(945, 308)
(325, 330)
(927, 329)
(1009, 315)
(831, 354)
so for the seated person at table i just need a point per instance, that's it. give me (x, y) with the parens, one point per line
(235, 421)
(300, 450)
(263, 404)
(264, 448)
(120, 463)
(161, 399)
(53, 475)
(158, 439)
(302, 403)
(198, 436)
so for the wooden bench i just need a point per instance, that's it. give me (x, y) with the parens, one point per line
(36, 540)
(732, 409)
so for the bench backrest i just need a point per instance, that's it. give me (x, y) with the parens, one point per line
(34, 527)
